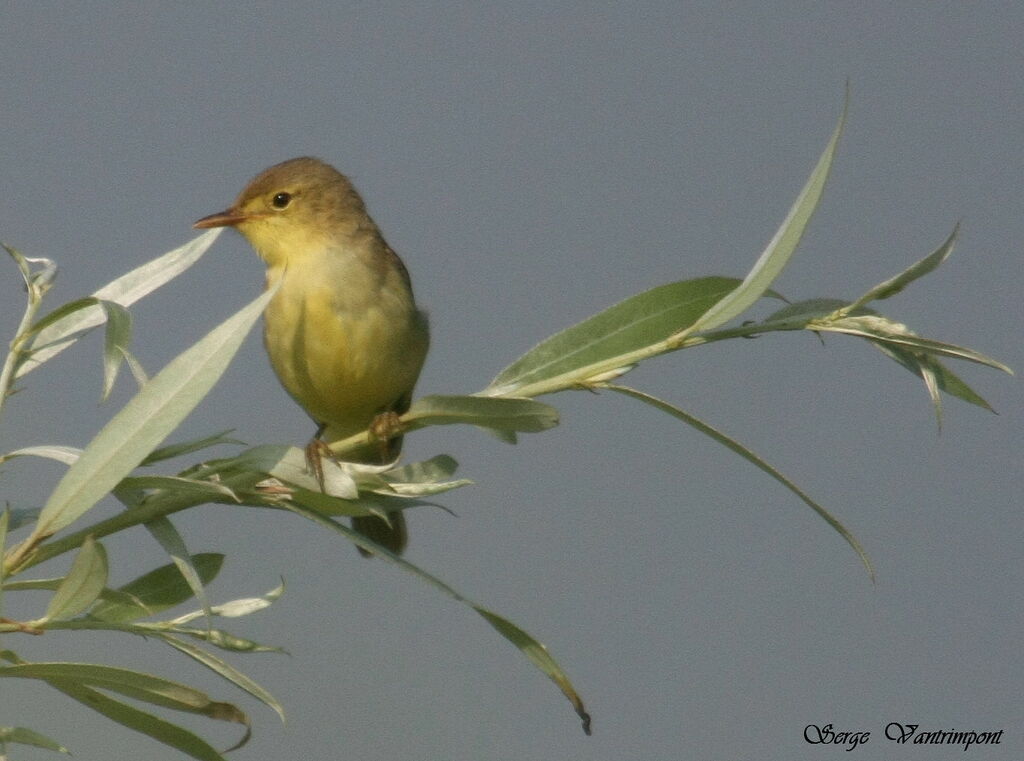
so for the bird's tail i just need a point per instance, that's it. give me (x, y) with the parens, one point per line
(392, 534)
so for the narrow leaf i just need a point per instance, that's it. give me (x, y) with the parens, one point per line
(286, 463)
(5, 517)
(611, 336)
(125, 290)
(188, 447)
(108, 595)
(83, 584)
(782, 245)
(525, 642)
(421, 479)
(882, 329)
(134, 684)
(894, 285)
(38, 272)
(22, 516)
(138, 371)
(215, 491)
(173, 543)
(438, 468)
(796, 316)
(931, 384)
(243, 606)
(159, 590)
(222, 639)
(141, 721)
(540, 657)
(424, 489)
(751, 457)
(225, 670)
(30, 737)
(116, 341)
(371, 503)
(66, 455)
(146, 420)
(508, 414)
(945, 379)
(63, 312)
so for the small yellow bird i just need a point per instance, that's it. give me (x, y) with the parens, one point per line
(343, 332)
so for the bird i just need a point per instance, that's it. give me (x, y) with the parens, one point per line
(343, 332)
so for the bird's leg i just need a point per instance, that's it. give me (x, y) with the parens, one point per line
(384, 428)
(316, 451)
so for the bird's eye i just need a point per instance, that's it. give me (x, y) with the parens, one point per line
(281, 200)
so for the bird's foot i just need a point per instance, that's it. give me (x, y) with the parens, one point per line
(316, 451)
(384, 428)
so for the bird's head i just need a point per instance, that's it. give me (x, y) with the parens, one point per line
(298, 207)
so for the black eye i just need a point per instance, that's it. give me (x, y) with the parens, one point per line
(281, 200)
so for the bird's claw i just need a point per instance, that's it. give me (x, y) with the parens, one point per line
(316, 451)
(385, 427)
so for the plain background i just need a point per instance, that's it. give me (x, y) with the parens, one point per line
(534, 163)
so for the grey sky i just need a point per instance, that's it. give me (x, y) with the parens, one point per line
(534, 163)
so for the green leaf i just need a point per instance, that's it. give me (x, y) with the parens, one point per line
(894, 285)
(945, 379)
(173, 543)
(22, 516)
(426, 478)
(507, 414)
(108, 595)
(893, 339)
(796, 316)
(158, 590)
(5, 517)
(525, 642)
(922, 366)
(66, 455)
(83, 584)
(134, 684)
(125, 290)
(884, 330)
(288, 464)
(423, 478)
(751, 457)
(38, 272)
(179, 484)
(187, 447)
(423, 489)
(29, 737)
(225, 670)
(438, 468)
(116, 342)
(782, 245)
(243, 606)
(33, 584)
(145, 421)
(222, 639)
(540, 657)
(609, 339)
(372, 503)
(146, 723)
(63, 312)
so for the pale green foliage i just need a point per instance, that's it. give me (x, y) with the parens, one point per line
(591, 355)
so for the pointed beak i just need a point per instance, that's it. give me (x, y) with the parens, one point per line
(226, 218)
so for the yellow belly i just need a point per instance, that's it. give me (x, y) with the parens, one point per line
(345, 349)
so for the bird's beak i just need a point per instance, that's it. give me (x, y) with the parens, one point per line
(226, 218)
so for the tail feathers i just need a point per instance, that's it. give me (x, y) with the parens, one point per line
(393, 536)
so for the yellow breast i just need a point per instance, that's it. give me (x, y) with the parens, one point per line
(346, 342)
